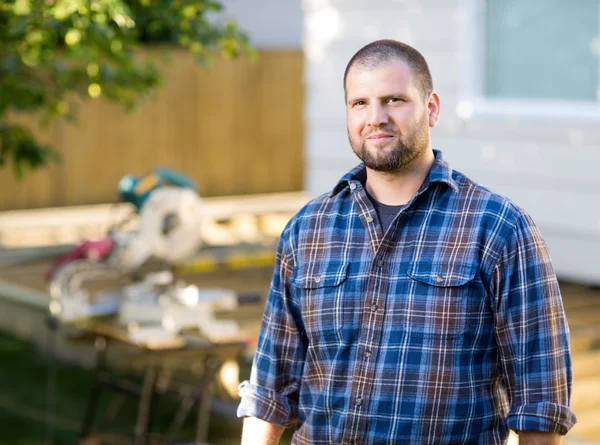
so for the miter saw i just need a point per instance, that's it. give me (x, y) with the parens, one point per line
(169, 213)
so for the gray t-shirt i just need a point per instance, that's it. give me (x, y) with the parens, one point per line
(386, 213)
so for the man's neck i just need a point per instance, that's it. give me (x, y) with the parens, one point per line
(399, 187)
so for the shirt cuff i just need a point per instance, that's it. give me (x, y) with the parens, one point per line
(544, 417)
(265, 404)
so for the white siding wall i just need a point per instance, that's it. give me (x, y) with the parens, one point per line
(548, 166)
(271, 24)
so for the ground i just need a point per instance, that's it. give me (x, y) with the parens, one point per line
(27, 377)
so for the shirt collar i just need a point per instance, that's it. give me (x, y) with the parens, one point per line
(440, 172)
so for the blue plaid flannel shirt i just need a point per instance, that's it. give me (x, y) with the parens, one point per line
(447, 329)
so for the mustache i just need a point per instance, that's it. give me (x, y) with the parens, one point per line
(381, 130)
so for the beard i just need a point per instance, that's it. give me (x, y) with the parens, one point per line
(390, 159)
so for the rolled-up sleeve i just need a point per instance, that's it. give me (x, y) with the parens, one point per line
(271, 394)
(532, 334)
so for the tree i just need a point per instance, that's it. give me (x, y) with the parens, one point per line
(52, 51)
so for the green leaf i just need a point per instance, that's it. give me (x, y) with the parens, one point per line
(18, 26)
(18, 144)
(52, 50)
(22, 7)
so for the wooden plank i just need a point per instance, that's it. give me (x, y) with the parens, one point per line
(585, 365)
(586, 394)
(587, 427)
(252, 216)
(216, 207)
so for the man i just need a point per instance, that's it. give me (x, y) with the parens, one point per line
(409, 305)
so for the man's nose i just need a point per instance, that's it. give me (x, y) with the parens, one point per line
(378, 116)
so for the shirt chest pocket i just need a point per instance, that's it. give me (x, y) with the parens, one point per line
(448, 298)
(323, 295)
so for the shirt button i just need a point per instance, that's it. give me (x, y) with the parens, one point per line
(439, 279)
(318, 280)
(369, 219)
(359, 401)
(367, 353)
(380, 263)
(352, 186)
(374, 308)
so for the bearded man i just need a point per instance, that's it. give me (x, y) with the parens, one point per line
(409, 305)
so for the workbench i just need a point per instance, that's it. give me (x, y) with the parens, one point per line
(183, 368)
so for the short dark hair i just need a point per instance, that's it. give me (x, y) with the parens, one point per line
(381, 51)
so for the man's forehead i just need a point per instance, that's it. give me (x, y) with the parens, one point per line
(382, 76)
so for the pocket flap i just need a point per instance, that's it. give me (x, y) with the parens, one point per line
(314, 276)
(442, 274)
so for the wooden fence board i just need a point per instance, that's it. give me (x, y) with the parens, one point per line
(236, 128)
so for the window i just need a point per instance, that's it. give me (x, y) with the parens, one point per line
(542, 49)
(531, 58)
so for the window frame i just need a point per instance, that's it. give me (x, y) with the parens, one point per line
(472, 101)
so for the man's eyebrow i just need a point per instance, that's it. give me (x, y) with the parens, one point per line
(354, 99)
(400, 95)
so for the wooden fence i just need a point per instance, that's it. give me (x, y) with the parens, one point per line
(236, 128)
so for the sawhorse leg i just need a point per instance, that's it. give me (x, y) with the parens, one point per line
(212, 365)
(93, 399)
(145, 405)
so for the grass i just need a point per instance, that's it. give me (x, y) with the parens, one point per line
(23, 402)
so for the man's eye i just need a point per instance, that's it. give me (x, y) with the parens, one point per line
(395, 100)
(359, 103)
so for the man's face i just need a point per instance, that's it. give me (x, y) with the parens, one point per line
(387, 116)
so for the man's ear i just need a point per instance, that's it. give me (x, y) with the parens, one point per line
(433, 104)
